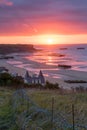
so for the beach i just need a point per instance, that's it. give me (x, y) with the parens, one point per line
(52, 74)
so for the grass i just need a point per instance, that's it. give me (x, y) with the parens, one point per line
(43, 98)
(62, 103)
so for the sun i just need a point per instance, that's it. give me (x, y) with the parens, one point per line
(50, 41)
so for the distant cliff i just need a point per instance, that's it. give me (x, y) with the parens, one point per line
(16, 48)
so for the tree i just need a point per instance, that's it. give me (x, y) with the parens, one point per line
(51, 85)
(4, 78)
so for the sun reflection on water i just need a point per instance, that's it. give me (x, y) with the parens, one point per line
(50, 59)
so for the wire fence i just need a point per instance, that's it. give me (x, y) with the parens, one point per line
(24, 114)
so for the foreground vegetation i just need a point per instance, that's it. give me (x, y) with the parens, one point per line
(24, 106)
(43, 98)
(17, 82)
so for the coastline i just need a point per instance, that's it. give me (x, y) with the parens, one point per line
(71, 74)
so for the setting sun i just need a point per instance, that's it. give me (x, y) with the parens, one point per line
(50, 41)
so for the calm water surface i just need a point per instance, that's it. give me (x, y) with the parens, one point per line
(49, 57)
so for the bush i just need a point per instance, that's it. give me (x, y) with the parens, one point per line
(51, 85)
(7, 80)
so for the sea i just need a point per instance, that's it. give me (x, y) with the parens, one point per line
(48, 57)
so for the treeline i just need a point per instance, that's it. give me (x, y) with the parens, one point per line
(7, 80)
(17, 82)
(47, 85)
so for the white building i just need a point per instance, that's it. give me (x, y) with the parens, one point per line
(34, 79)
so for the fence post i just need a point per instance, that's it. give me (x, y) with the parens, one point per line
(73, 117)
(52, 111)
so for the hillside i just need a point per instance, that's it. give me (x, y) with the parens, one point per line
(37, 105)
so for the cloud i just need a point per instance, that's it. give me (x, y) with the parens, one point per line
(6, 2)
(21, 13)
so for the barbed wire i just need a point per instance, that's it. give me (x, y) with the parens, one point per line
(25, 114)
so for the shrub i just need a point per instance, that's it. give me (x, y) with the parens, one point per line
(49, 85)
(7, 80)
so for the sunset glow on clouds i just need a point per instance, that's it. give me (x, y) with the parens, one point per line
(6, 2)
(41, 17)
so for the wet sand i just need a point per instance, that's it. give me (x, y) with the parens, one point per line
(71, 74)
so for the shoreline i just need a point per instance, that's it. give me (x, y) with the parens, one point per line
(71, 74)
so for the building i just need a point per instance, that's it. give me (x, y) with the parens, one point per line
(35, 79)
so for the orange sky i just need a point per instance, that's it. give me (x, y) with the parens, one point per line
(40, 33)
(44, 39)
(43, 21)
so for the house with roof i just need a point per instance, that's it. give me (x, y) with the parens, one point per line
(35, 79)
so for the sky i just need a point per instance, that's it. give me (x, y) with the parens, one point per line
(61, 21)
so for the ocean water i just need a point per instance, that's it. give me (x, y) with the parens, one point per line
(74, 55)
(48, 58)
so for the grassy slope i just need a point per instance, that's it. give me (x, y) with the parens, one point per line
(62, 102)
(44, 99)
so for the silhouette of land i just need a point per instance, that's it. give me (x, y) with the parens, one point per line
(16, 48)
